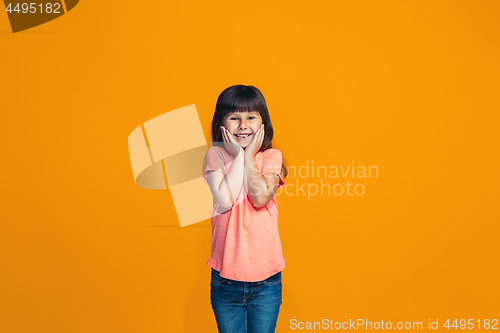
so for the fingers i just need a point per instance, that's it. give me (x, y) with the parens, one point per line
(255, 138)
(230, 137)
(259, 137)
(223, 134)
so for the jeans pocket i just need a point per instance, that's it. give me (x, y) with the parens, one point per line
(217, 279)
(274, 279)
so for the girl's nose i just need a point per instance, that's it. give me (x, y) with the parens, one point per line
(243, 125)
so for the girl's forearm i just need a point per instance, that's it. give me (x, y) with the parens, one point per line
(255, 184)
(231, 184)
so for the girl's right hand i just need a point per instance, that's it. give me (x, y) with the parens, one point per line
(230, 144)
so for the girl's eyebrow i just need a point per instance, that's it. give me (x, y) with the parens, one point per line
(236, 113)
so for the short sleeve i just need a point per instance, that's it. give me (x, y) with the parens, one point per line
(214, 160)
(272, 163)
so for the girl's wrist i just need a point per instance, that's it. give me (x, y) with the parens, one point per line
(249, 159)
(241, 155)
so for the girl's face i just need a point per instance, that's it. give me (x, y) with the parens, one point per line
(243, 125)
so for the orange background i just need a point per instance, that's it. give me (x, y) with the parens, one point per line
(412, 88)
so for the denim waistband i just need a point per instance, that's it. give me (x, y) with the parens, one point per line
(218, 273)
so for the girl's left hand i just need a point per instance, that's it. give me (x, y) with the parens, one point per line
(254, 146)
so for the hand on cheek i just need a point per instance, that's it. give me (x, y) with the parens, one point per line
(230, 144)
(254, 146)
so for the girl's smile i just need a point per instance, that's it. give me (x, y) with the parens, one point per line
(243, 125)
(242, 137)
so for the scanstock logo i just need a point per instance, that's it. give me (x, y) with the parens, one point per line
(26, 15)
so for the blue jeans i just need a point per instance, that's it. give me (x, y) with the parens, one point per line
(245, 307)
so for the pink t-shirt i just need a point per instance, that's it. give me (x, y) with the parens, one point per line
(246, 244)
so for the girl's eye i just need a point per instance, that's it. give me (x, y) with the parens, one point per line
(234, 118)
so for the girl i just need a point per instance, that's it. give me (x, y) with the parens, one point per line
(244, 172)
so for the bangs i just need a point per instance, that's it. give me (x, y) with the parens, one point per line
(243, 100)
